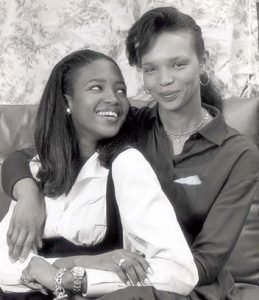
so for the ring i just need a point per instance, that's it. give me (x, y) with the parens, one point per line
(23, 278)
(121, 261)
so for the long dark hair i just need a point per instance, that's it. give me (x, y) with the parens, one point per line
(166, 19)
(56, 140)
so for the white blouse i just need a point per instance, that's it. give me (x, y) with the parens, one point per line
(148, 220)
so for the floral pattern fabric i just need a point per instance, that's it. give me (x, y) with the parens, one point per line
(35, 34)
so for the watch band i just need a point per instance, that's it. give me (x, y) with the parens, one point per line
(78, 274)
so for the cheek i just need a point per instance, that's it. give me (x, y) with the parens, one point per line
(149, 82)
(189, 78)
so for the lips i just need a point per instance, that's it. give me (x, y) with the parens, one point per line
(109, 114)
(169, 94)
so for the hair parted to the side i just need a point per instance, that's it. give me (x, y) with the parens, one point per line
(168, 19)
(55, 136)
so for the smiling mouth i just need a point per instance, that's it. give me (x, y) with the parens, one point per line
(169, 94)
(108, 114)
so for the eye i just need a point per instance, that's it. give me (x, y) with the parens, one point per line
(95, 88)
(122, 91)
(178, 65)
(148, 69)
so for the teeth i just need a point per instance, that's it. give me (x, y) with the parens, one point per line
(107, 114)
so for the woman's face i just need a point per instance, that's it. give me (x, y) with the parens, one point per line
(171, 70)
(99, 104)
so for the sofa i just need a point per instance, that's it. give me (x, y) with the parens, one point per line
(16, 132)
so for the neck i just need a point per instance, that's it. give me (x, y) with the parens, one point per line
(182, 120)
(87, 148)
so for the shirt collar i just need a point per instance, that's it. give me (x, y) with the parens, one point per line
(92, 169)
(215, 131)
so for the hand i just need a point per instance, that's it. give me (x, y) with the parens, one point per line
(68, 262)
(38, 274)
(132, 271)
(27, 222)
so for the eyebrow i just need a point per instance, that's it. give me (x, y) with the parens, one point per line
(103, 81)
(171, 59)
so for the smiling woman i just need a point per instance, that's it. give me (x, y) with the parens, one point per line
(98, 191)
(98, 104)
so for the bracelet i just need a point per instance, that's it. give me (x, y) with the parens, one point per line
(59, 292)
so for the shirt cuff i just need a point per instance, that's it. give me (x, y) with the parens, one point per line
(101, 282)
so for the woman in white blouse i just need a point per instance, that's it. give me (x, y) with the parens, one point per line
(83, 103)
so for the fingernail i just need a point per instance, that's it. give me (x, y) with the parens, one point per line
(139, 284)
(128, 283)
(150, 271)
(147, 282)
(44, 292)
(21, 260)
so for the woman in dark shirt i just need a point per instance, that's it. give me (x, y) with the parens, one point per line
(186, 140)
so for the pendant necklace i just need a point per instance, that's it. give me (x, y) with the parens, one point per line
(178, 136)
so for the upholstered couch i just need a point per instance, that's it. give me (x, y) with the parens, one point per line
(16, 123)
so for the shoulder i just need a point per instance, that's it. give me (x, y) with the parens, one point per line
(141, 116)
(241, 142)
(244, 153)
(129, 158)
(132, 161)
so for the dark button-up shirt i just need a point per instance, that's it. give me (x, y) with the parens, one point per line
(215, 177)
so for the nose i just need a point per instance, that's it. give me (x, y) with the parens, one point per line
(111, 97)
(166, 77)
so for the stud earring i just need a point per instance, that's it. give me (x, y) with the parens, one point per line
(68, 110)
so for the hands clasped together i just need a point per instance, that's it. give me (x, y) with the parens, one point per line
(40, 275)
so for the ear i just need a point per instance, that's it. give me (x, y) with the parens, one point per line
(204, 62)
(69, 101)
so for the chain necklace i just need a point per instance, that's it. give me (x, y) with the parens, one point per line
(178, 136)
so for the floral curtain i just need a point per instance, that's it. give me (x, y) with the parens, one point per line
(35, 34)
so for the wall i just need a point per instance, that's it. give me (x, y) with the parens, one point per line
(35, 34)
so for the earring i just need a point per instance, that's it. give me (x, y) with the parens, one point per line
(68, 110)
(208, 79)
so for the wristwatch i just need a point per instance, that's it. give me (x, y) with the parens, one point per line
(78, 274)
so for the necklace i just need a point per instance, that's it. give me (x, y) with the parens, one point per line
(178, 136)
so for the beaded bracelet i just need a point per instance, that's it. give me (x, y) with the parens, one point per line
(59, 292)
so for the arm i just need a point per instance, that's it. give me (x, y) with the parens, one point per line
(16, 167)
(25, 230)
(150, 225)
(226, 218)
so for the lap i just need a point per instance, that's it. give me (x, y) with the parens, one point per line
(223, 288)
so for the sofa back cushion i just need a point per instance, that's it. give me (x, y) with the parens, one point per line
(16, 127)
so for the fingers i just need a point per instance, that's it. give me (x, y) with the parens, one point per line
(122, 275)
(39, 242)
(31, 283)
(145, 265)
(10, 231)
(27, 246)
(15, 244)
(135, 272)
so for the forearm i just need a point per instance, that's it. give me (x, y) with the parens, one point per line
(16, 167)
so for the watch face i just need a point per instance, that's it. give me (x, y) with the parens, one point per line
(79, 271)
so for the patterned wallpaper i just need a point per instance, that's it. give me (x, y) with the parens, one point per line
(35, 34)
